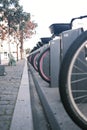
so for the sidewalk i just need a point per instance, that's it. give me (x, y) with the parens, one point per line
(9, 89)
(22, 117)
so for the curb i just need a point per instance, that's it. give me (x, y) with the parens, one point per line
(22, 116)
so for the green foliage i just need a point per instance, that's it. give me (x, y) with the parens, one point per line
(13, 12)
(17, 19)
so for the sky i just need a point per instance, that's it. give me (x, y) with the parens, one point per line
(47, 12)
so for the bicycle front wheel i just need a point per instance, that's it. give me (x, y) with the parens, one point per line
(35, 59)
(44, 65)
(73, 81)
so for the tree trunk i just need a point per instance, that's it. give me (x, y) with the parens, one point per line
(17, 52)
(21, 47)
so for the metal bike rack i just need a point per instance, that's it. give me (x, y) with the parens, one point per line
(67, 38)
(58, 48)
(54, 62)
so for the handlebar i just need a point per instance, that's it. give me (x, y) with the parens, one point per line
(81, 17)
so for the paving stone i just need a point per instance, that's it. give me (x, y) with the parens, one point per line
(9, 88)
(4, 125)
(4, 102)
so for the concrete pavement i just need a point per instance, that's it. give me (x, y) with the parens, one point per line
(22, 117)
(14, 95)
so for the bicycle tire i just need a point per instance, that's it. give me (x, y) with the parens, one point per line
(41, 58)
(32, 60)
(35, 58)
(67, 86)
(32, 57)
(29, 58)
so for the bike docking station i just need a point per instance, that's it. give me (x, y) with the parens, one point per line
(47, 61)
(60, 45)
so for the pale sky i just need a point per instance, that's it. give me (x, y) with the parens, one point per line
(47, 12)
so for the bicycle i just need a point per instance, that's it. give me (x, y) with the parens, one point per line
(73, 80)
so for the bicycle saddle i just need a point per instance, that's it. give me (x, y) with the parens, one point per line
(45, 40)
(56, 29)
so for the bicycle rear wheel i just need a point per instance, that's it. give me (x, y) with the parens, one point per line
(73, 81)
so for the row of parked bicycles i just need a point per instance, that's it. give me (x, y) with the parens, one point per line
(65, 53)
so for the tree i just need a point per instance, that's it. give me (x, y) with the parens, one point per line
(18, 22)
(26, 31)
